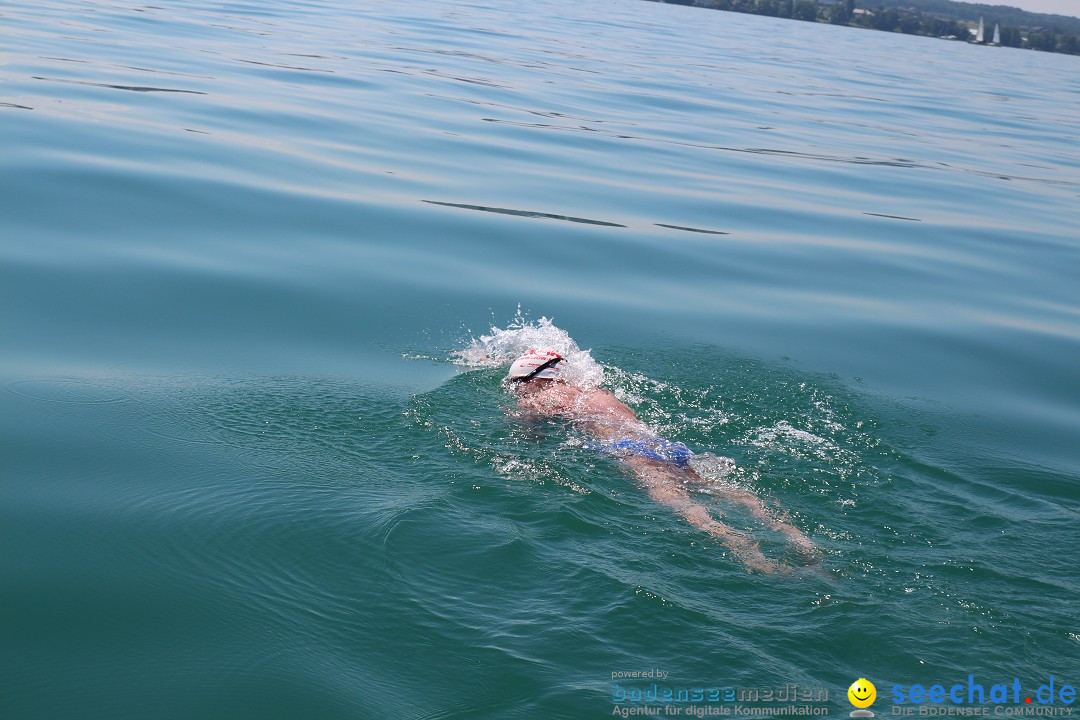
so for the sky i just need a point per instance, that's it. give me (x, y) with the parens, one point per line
(1061, 7)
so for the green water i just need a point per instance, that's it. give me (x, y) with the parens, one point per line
(245, 476)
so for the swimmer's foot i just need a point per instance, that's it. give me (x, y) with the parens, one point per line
(798, 540)
(749, 552)
(809, 553)
(803, 544)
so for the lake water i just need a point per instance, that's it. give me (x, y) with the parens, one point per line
(243, 476)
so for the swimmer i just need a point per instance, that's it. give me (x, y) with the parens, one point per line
(661, 465)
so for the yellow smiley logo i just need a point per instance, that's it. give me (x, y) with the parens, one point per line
(862, 693)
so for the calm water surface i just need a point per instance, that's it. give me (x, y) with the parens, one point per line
(239, 243)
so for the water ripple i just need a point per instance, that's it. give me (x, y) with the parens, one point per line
(526, 213)
(132, 88)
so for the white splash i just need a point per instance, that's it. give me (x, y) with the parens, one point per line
(503, 346)
(784, 430)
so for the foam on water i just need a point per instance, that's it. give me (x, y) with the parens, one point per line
(501, 346)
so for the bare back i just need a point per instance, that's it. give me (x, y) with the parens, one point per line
(597, 411)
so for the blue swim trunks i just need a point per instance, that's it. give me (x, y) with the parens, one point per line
(656, 448)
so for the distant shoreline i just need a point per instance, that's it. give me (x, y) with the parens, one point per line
(942, 19)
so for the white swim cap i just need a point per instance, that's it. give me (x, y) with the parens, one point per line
(536, 364)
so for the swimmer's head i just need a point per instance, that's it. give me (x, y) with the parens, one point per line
(536, 365)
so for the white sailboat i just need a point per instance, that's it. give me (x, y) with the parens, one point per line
(997, 35)
(979, 35)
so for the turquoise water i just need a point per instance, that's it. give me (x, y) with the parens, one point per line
(243, 476)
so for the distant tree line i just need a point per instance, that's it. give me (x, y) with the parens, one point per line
(1011, 16)
(941, 18)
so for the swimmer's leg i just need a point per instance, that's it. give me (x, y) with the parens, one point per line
(747, 550)
(665, 487)
(794, 535)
